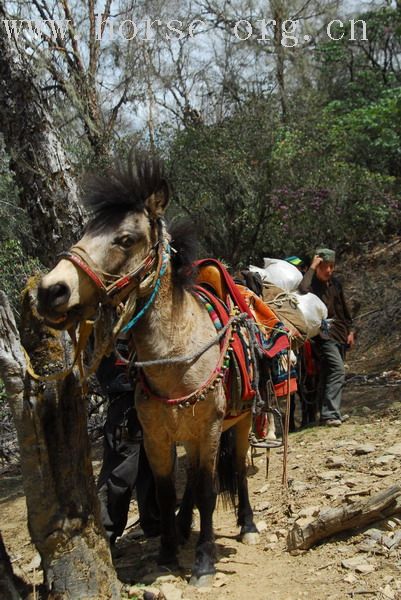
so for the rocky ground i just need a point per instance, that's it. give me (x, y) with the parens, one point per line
(327, 467)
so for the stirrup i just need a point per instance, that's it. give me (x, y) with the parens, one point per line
(255, 442)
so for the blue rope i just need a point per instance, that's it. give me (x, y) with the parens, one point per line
(149, 303)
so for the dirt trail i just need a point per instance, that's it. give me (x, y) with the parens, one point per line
(362, 463)
(365, 457)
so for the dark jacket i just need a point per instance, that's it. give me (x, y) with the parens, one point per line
(332, 295)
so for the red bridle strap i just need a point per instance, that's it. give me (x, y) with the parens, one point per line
(112, 292)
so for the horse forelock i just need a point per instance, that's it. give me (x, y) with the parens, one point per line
(122, 189)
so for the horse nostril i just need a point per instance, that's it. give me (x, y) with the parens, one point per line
(53, 296)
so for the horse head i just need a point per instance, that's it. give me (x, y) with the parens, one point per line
(121, 245)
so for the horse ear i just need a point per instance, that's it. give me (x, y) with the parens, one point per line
(158, 201)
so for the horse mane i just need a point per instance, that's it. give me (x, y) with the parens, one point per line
(122, 188)
(184, 243)
(116, 191)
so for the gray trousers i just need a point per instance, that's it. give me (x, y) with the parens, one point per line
(332, 378)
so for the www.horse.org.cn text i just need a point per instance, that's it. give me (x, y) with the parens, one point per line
(261, 30)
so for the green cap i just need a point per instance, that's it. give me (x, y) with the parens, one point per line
(327, 254)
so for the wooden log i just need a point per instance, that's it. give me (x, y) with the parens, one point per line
(343, 518)
(50, 419)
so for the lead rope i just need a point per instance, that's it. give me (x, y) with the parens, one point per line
(284, 479)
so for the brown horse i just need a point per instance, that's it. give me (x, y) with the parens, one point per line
(124, 260)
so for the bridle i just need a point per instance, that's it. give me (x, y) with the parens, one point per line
(113, 292)
(116, 291)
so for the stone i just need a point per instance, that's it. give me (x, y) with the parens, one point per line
(331, 475)
(299, 486)
(333, 462)
(309, 511)
(350, 578)
(358, 564)
(281, 533)
(335, 492)
(170, 591)
(263, 489)
(388, 593)
(305, 521)
(262, 506)
(385, 459)
(394, 450)
(261, 526)
(272, 538)
(375, 534)
(364, 449)
(368, 546)
(382, 473)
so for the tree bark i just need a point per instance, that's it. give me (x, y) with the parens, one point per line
(50, 418)
(357, 515)
(47, 189)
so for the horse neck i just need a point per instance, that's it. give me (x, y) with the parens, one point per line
(162, 330)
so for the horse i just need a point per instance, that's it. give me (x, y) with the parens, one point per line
(128, 259)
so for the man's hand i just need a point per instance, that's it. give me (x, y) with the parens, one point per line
(351, 339)
(316, 261)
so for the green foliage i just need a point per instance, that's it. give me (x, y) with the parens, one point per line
(255, 187)
(221, 175)
(357, 71)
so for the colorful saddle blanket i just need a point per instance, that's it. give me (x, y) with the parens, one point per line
(220, 291)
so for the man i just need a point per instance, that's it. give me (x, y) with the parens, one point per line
(125, 464)
(320, 281)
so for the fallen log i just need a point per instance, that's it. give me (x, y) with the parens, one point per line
(50, 419)
(343, 518)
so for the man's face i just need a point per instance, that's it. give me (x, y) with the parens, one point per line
(324, 271)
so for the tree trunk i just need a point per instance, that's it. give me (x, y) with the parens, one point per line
(357, 515)
(47, 189)
(50, 418)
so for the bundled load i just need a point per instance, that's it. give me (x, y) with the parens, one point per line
(300, 313)
(279, 273)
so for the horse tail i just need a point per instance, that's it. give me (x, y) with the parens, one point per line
(227, 472)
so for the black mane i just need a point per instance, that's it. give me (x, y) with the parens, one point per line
(122, 188)
(110, 195)
(184, 243)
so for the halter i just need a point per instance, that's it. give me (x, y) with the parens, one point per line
(115, 292)
(112, 294)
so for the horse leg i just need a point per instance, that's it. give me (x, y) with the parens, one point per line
(249, 533)
(160, 453)
(205, 495)
(184, 517)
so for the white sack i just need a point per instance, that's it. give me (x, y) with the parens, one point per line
(280, 273)
(313, 310)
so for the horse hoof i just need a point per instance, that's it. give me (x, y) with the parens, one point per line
(202, 581)
(250, 539)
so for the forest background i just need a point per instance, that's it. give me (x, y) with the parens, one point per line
(270, 149)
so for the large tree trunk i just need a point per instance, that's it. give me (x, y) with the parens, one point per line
(50, 418)
(47, 189)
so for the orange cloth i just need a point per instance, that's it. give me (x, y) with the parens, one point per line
(262, 312)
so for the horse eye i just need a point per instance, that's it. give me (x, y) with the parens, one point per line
(125, 241)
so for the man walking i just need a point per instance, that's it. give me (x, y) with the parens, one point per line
(320, 281)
